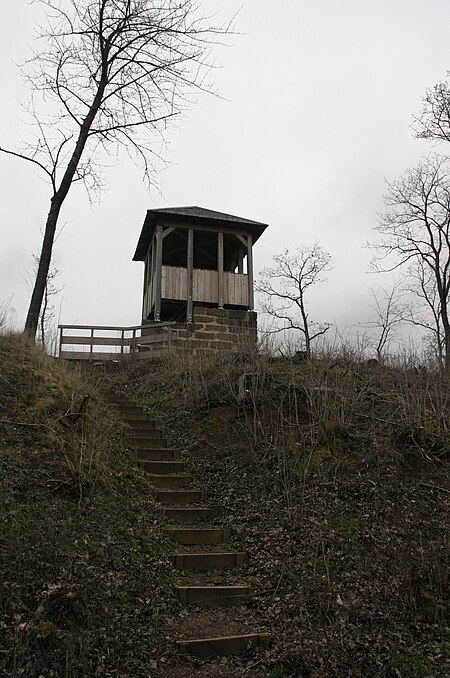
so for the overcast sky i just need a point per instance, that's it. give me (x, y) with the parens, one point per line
(316, 107)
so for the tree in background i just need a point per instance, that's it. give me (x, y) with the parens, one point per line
(388, 313)
(285, 288)
(433, 124)
(110, 75)
(415, 238)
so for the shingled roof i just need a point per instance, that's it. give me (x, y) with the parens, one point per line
(193, 215)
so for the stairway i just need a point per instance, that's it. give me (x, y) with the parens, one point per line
(198, 546)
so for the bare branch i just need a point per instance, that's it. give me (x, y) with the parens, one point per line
(285, 285)
(415, 238)
(25, 157)
(109, 76)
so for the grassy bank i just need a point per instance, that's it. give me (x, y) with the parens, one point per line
(334, 478)
(85, 581)
(334, 474)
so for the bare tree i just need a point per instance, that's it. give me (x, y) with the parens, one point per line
(428, 313)
(47, 312)
(415, 238)
(433, 123)
(388, 313)
(285, 288)
(110, 75)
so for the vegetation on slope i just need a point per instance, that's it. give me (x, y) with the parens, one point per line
(85, 582)
(335, 478)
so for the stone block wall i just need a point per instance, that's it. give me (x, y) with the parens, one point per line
(212, 329)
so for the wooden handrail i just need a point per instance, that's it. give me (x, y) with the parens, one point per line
(135, 341)
(116, 328)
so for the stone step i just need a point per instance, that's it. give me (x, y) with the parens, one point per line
(124, 403)
(127, 408)
(221, 647)
(213, 595)
(179, 497)
(162, 467)
(139, 428)
(132, 413)
(208, 560)
(148, 442)
(134, 432)
(155, 454)
(169, 479)
(188, 515)
(138, 417)
(198, 535)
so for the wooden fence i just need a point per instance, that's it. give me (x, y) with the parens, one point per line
(103, 342)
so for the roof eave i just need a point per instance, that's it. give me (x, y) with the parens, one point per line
(255, 228)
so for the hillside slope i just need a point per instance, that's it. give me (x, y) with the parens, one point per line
(334, 476)
(84, 568)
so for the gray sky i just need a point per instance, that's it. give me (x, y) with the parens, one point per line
(316, 110)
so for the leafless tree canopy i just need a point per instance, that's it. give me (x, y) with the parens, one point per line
(388, 313)
(110, 74)
(434, 120)
(117, 70)
(285, 287)
(415, 237)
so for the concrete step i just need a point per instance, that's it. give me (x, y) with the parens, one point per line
(198, 535)
(155, 454)
(221, 647)
(170, 480)
(213, 595)
(148, 442)
(188, 515)
(179, 497)
(208, 560)
(162, 467)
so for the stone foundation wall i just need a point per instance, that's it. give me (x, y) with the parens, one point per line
(213, 329)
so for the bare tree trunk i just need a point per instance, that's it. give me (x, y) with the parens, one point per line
(304, 315)
(446, 326)
(124, 64)
(31, 322)
(307, 345)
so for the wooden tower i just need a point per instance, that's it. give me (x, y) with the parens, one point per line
(195, 258)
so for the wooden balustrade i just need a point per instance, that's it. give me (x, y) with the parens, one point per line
(139, 341)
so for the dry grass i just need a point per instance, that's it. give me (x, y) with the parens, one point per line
(335, 474)
(75, 598)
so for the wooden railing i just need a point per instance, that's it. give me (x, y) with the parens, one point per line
(139, 341)
(205, 287)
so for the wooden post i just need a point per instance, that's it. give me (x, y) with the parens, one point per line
(60, 341)
(158, 273)
(220, 266)
(121, 340)
(251, 300)
(146, 299)
(133, 342)
(91, 349)
(150, 302)
(241, 261)
(190, 276)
